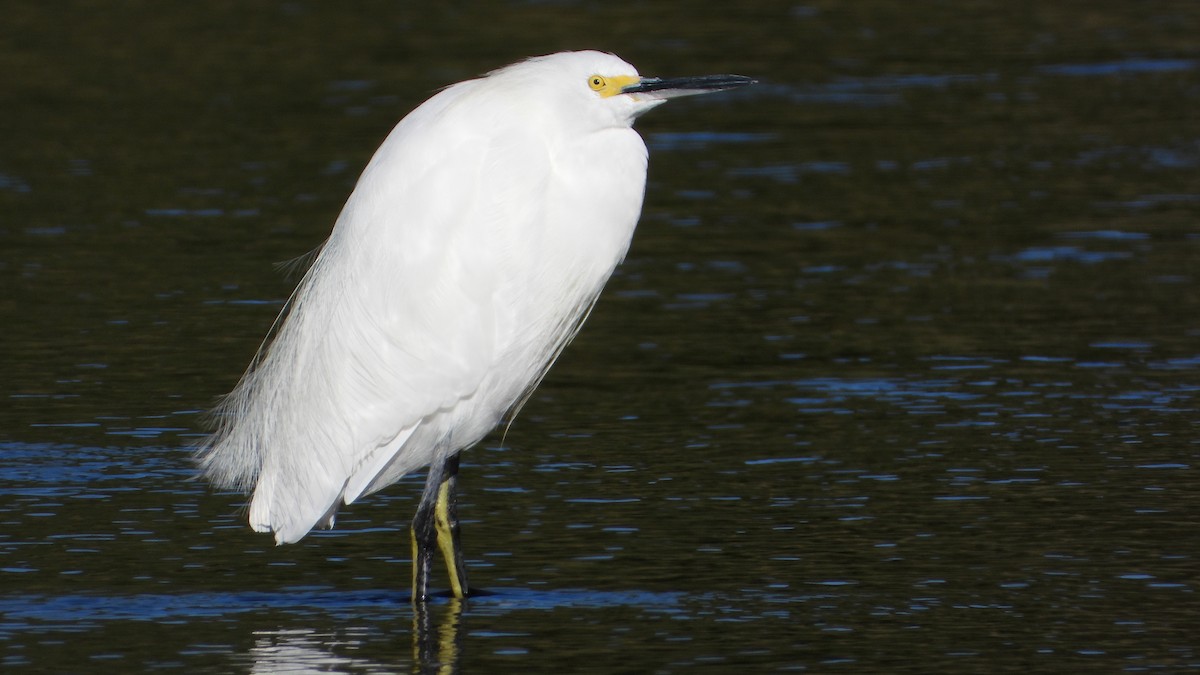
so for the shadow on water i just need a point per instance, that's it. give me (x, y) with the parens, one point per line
(83, 612)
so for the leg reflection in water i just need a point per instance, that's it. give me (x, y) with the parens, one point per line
(436, 647)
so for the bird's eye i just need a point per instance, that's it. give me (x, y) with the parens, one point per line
(596, 82)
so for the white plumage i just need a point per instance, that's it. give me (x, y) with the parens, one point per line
(473, 245)
(475, 241)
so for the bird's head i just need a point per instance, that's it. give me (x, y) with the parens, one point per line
(603, 87)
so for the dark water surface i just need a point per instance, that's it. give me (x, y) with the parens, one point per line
(901, 374)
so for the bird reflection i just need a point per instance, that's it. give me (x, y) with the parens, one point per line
(436, 643)
(301, 651)
(436, 647)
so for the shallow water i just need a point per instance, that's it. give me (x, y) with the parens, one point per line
(901, 373)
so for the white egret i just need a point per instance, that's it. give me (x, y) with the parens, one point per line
(467, 256)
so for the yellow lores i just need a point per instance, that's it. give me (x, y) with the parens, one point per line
(612, 85)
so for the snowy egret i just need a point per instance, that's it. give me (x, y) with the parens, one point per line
(469, 253)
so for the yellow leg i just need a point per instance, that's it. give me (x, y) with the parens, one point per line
(437, 519)
(418, 594)
(446, 520)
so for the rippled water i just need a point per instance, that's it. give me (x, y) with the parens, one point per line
(901, 374)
